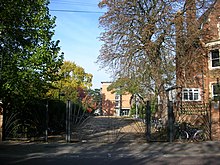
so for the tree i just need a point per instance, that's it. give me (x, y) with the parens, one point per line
(140, 43)
(73, 83)
(134, 44)
(30, 58)
(92, 100)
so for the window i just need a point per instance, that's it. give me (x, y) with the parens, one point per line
(117, 97)
(124, 112)
(215, 58)
(191, 94)
(215, 91)
(116, 103)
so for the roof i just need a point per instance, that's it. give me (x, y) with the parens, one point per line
(103, 82)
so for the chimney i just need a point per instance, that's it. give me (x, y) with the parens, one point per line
(179, 32)
(191, 21)
(179, 45)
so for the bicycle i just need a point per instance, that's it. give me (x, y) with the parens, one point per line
(157, 124)
(185, 132)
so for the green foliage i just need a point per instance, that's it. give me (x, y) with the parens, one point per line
(73, 83)
(123, 85)
(31, 59)
(153, 106)
(30, 121)
(142, 109)
(133, 110)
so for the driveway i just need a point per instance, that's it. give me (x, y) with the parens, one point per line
(109, 153)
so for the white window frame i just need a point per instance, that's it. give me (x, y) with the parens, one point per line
(211, 59)
(191, 94)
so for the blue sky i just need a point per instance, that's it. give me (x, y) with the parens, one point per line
(78, 33)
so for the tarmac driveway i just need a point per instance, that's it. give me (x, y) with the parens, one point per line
(110, 153)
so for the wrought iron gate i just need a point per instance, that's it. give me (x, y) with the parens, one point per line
(86, 127)
(162, 127)
(156, 122)
(109, 129)
(198, 115)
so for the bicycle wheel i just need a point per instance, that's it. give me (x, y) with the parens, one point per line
(183, 136)
(199, 136)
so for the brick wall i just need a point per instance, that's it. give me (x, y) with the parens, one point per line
(210, 37)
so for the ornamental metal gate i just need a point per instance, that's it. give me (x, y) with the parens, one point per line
(162, 125)
(85, 127)
(156, 122)
(107, 129)
(55, 121)
(196, 115)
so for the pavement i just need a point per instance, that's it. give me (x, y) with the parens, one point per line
(17, 149)
(32, 150)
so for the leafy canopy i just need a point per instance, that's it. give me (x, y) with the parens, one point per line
(73, 83)
(30, 58)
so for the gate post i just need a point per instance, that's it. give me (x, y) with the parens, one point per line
(46, 122)
(68, 120)
(170, 121)
(148, 121)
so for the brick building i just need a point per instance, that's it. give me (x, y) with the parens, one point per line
(114, 104)
(198, 59)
